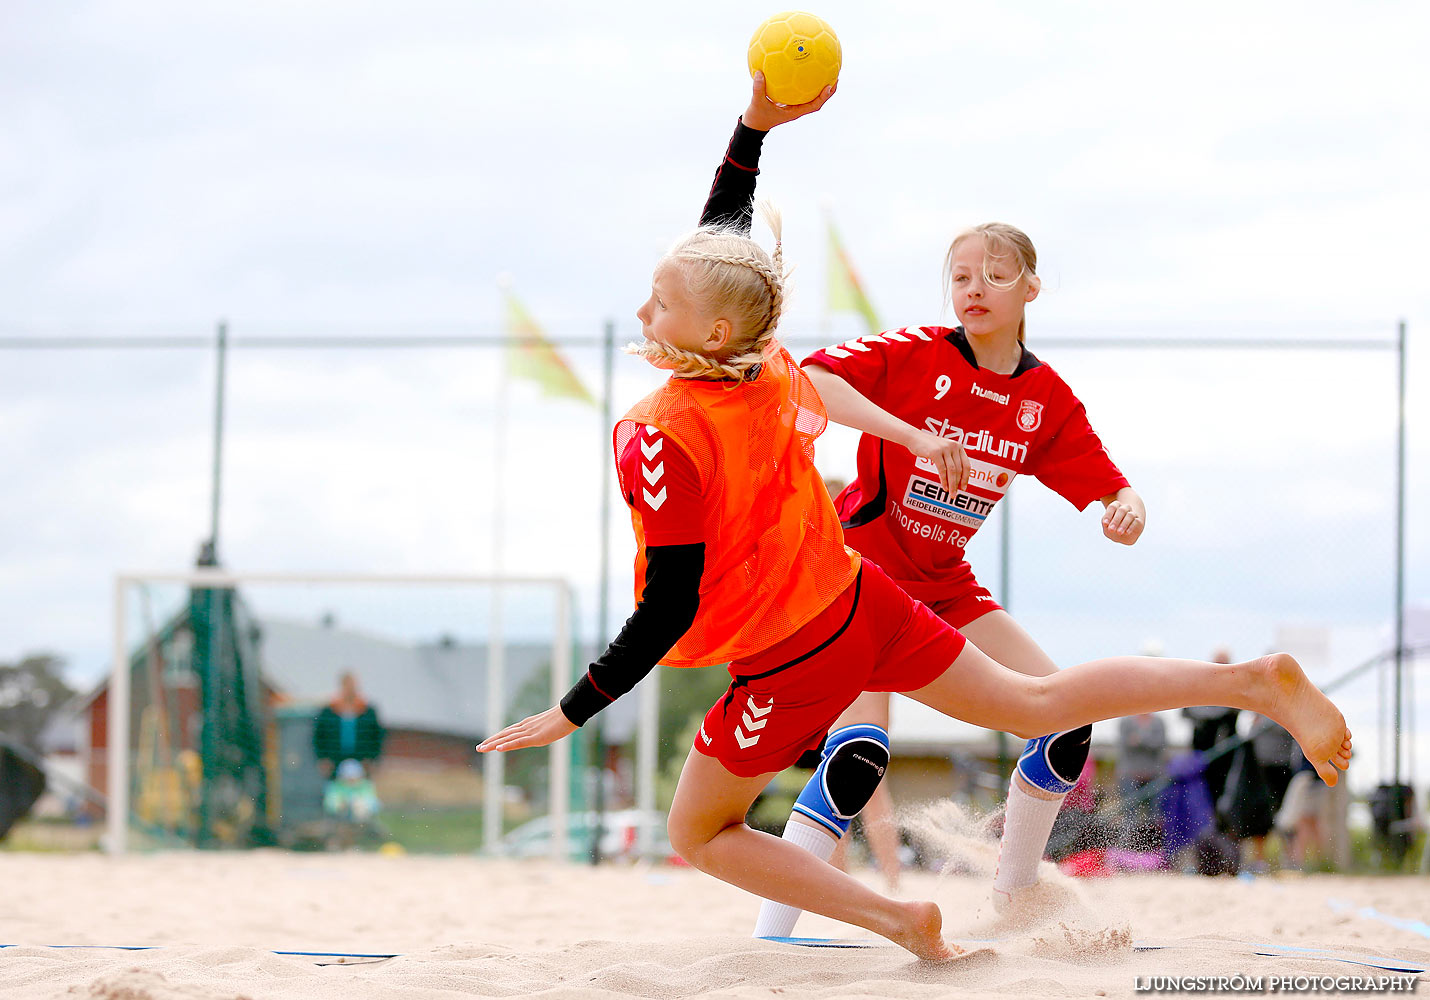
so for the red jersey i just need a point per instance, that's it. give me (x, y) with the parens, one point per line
(665, 489)
(895, 512)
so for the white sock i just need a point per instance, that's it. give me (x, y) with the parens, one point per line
(1027, 824)
(778, 919)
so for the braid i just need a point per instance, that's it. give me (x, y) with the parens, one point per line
(775, 278)
(713, 261)
(774, 282)
(687, 364)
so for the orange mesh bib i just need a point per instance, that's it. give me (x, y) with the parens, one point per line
(774, 552)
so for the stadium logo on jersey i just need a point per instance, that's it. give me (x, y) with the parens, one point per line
(997, 397)
(981, 440)
(928, 497)
(993, 478)
(1030, 415)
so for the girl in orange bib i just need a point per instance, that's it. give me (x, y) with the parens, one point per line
(741, 559)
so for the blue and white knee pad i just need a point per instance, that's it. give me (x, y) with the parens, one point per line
(1054, 762)
(854, 761)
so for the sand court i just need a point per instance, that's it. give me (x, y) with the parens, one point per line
(473, 927)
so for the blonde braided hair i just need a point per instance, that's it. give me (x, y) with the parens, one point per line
(729, 274)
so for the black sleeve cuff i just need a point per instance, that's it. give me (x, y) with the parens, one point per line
(583, 701)
(745, 146)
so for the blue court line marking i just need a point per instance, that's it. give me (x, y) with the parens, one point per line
(808, 942)
(158, 947)
(1371, 913)
(1293, 951)
(1262, 950)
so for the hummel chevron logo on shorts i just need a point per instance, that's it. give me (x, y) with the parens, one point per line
(752, 722)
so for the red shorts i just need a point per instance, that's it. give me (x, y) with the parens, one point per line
(874, 637)
(957, 599)
(954, 593)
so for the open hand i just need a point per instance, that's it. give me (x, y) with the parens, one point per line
(533, 731)
(764, 114)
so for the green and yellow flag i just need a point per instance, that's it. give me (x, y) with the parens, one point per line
(846, 293)
(532, 355)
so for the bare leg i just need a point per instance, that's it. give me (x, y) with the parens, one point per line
(882, 833)
(1031, 811)
(977, 689)
(878, 815)
(707, 827)
(777, 919)
(1002, 638)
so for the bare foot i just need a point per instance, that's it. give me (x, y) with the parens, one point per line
(1315, 723)
(921, 932)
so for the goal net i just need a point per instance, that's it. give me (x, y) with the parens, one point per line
(321, 710)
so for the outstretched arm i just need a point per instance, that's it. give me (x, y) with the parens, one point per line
(847, 405)
(667, 608)
(670, 592)
(732, 195)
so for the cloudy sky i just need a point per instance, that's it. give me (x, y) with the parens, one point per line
(331, 170)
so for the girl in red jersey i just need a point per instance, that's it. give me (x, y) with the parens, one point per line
(740, 560)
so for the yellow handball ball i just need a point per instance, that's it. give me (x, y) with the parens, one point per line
(799, 54)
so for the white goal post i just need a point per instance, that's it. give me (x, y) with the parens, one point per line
(119, 737)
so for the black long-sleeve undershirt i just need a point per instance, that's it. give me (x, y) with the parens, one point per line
(732, 194)
(670, 596)
(665, 612)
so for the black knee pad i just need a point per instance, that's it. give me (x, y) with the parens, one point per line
(1054, 762)
(855, 760)
(1067, 752)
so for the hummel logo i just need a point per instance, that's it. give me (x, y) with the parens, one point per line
(997, 397)
(655, 500)
(653, 449)
(752, 712)
(651, 475)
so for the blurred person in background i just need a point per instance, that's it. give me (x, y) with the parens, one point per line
(1141, 740)
(1211, 724)
(1276, 752)
(347, 728)
(350, 795)
(1300, 821)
